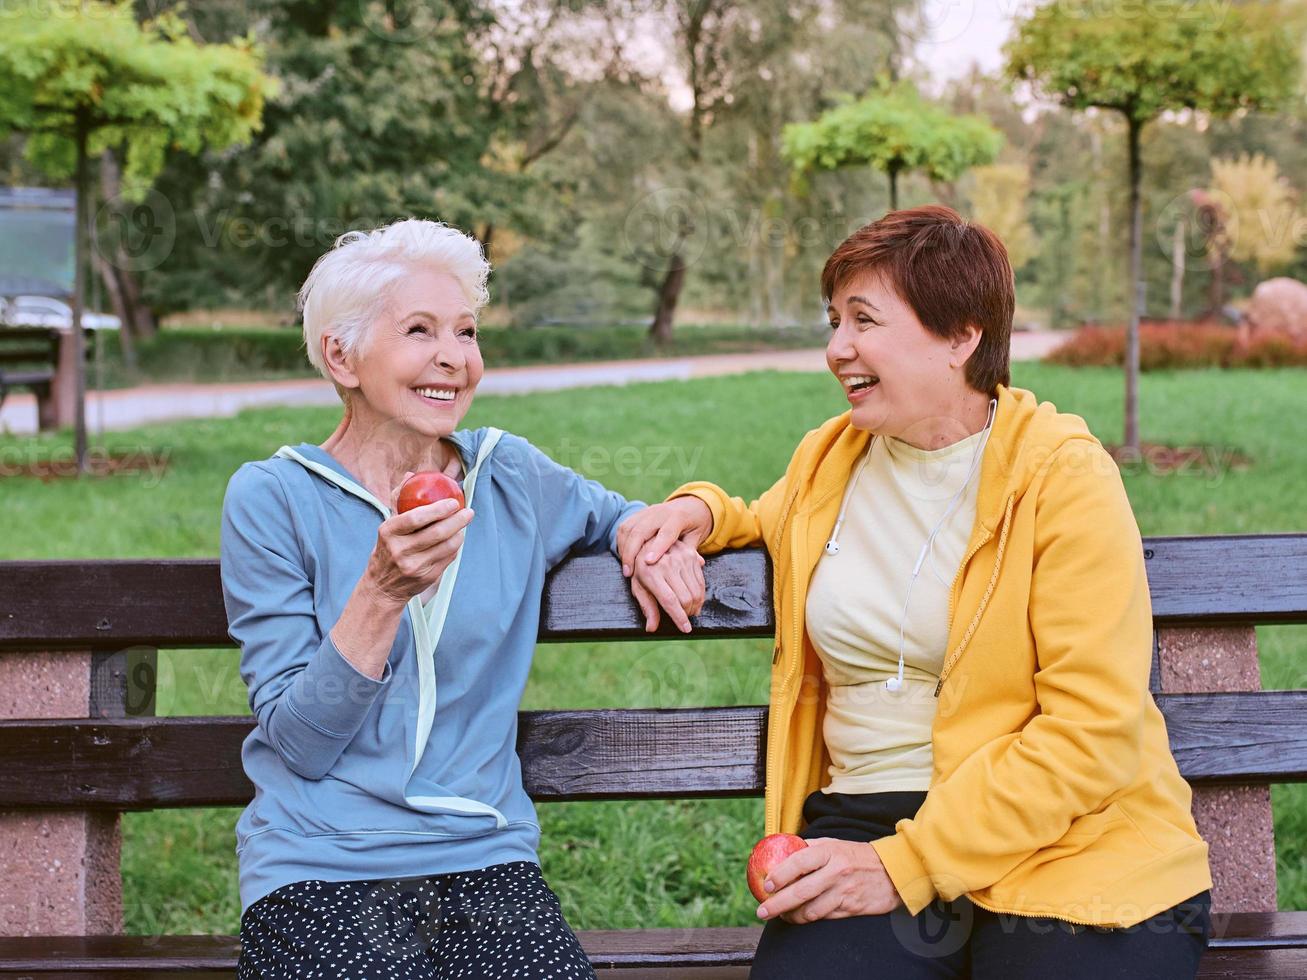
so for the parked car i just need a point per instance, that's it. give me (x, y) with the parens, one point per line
(44, 311)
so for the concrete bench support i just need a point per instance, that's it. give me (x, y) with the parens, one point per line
(1234, 820)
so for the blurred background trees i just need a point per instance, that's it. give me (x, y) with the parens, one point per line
(626, 162)
(1141, 61)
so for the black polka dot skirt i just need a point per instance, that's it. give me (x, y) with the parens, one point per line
(501, 921)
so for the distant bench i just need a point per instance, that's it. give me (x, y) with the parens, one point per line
(29, 358)
(78, 642)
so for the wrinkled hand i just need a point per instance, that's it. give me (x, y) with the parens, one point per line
(829, 879)
(686, 519)
(675, 583)
(413, 549)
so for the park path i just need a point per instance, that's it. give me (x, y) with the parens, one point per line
(127, 408)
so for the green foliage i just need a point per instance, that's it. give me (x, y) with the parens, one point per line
(375, 121)
(999, 193)
(892, 130)
(1141, 59)
(147, 86)
(1257, 208)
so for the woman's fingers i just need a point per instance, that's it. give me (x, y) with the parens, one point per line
(419, 554)
(658, 580)
(691, 563)
(394, 494)
(680, 587)
(693, 577)
(795, 895)
(690, 584)
(648, 605)
(631, 536)
(419, 518)
(826, 905)
(797, 865)
(667, 536)
(445, 527)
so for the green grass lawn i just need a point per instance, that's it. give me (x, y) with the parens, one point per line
(650, 863)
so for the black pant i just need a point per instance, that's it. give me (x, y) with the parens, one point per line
(951, 940)
(500, 921)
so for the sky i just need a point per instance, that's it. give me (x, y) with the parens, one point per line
(961, 33)
(957, 34)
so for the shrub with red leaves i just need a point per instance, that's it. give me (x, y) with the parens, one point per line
(1164, 345)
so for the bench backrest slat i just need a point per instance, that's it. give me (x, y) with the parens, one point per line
(1240, 738)
(51, 605)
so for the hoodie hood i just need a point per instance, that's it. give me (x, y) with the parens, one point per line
(316, 460)
(1025, 436)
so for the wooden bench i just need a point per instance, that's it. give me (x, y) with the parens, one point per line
(30, 358)
(107, 619)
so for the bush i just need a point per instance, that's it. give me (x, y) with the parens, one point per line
(1274, 350)
(199, 355)
(1164, 346)
(267, 350)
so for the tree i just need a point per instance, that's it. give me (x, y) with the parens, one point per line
(718, 44)
(626, 195)
(380, 116)
(1142, 60)
(1260, 207)
(893, 130)
(998, 201)
(93, 79)
(544, 66)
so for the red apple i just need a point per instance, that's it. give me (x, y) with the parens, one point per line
(428, 487)
(767, 853)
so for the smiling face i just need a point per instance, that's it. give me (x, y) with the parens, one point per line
(421, 364)
(901, 380)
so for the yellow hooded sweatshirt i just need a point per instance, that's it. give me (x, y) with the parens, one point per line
(1053, 790)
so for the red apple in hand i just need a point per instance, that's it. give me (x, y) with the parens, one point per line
(428, 487)
(767, 853)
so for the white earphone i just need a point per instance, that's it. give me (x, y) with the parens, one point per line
(927, 549)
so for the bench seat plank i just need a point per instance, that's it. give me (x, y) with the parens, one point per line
(25, 377)
(1245, 946)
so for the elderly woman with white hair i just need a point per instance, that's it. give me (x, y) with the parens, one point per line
(386, 653)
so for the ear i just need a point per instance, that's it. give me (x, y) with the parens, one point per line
(961, 348)
(339, 364)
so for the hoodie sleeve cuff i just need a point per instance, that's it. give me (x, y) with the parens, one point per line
(905, 870)
(712, 498)
(332, 695)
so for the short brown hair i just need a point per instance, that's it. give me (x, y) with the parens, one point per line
(952, 273)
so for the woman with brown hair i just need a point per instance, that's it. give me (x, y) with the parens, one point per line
(960, 721)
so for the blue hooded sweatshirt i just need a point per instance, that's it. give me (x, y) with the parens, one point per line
(416, 773)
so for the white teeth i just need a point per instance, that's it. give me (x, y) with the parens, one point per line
(444, 394)
(861, 379)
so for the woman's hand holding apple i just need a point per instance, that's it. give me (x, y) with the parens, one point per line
(829, 879)
(414, 547)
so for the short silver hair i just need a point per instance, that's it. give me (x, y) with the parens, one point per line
(348, 287)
